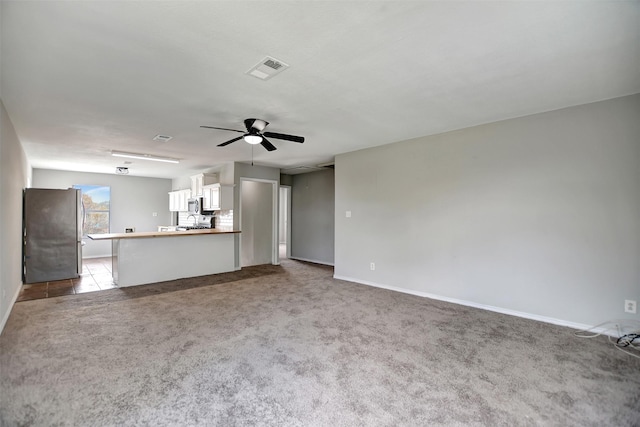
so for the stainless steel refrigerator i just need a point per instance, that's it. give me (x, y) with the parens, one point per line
(52, 231)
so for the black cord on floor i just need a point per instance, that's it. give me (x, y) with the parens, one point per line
(624, 343)
(627, 340)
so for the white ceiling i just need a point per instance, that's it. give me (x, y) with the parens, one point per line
(80, 79)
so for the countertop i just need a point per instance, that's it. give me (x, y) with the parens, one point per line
(148, 234)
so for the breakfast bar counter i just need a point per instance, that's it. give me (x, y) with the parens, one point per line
(147, 234)
(150, 257)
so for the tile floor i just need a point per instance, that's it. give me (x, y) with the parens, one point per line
(96, 276)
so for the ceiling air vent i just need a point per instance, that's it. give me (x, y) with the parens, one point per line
(162, 138)
(267, 68)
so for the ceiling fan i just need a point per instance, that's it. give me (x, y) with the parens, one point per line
(255, 134)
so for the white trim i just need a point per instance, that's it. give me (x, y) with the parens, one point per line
(315, 262)
(287, 242)
(525, 315)
(3, 323)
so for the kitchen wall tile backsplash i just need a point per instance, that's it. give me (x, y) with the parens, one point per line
(224, 219)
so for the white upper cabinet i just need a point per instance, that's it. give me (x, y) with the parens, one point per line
(199, 181)
(217, 197)
(178, 200)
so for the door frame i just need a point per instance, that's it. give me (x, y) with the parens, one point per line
(275, 258)
(287, 189)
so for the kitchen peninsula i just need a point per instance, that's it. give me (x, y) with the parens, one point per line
(150, 257)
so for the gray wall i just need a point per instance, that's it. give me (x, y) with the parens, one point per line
(313, 216)
(286, 179)
(15, 175)
(133, 201)
(537, 216)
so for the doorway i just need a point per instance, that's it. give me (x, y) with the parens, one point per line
(284, 222)
(258, 222)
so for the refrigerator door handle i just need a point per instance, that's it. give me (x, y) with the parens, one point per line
(81, 216)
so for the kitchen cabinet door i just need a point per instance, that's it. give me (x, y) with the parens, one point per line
(173, 201)
(178, 200)
(217, 197)
(206, 198)
(211, 197)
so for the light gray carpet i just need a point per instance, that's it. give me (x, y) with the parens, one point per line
(290, 346)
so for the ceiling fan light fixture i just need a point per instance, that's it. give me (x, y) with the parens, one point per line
(252, 139)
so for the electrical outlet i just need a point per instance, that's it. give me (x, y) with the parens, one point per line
(348, 214)
(630, 306)
(154, 214)
(372, 266)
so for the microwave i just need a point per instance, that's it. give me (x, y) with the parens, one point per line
(194, 206)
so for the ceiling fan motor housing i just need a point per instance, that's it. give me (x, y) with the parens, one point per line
(255, 124)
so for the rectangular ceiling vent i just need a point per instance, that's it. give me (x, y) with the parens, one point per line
(163, 138)
(267, 68)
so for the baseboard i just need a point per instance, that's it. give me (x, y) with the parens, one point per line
(315, 261)
(525, 315)
(5, 318)
(97, 256)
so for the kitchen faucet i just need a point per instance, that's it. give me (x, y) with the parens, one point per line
(195, 219)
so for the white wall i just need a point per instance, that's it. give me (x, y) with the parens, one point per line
(538, 215)
(133, 201)
(312, 217)
(15, 175)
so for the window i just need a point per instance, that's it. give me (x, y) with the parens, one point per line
(96, 200)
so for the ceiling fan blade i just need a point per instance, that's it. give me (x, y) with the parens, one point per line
(229, 141)
(232, 130)
(266, 144)
(293, 138)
